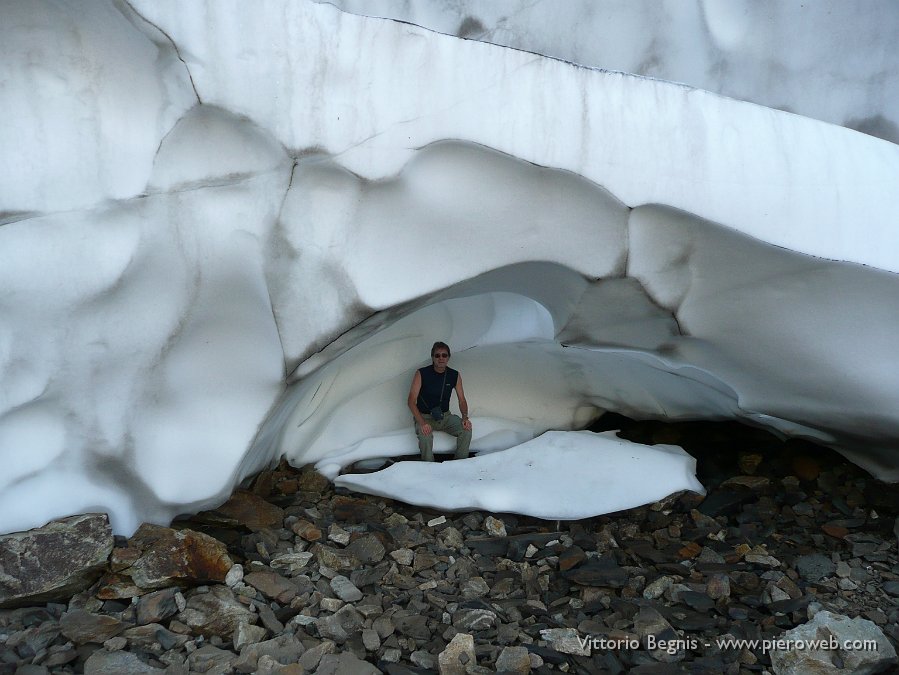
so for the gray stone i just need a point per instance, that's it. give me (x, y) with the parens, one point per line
(246, 634)
(153, 637)
(81, 627)
(495, 527)
(102, 662)
(840, 631)
(423, 659)
(272, 585)
(414, 625)
(216, 613)
(565, 640)
(340, 626)
(814, 567)
(368, 549)
(459, 654)
(53, 562)
(475, 587)
(211, 660)
(514, 660)
(313, 656)
(371, 640)
(474, 619)
(404, 556)
(344, 589)
(154, 607)
(284, 649)
(346, 663)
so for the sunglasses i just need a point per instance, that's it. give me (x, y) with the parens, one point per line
(441, 355)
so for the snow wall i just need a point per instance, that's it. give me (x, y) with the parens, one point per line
(230, 232)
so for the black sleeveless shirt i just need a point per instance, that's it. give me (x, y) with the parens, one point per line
(436, 389)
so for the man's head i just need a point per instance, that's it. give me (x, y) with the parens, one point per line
(440, 353)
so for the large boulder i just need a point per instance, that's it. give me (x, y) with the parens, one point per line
(53, 562)
(861, 648)
(176, 557)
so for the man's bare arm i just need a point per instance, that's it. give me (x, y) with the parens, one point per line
(463, 404)
(414, 390)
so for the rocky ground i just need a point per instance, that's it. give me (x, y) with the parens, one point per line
(290, 576)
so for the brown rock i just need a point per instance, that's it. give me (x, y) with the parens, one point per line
(177, 557)
(154, 607)
(334, 558)
(306, 530)
(352, 510)
(251, 511)
(805, 468)
(272, 586)
(571, 557)
(749, 462)
(311, 480)
(288, 487)
(216, 613)
(690, 550)
(55, 561)
(81, 627)
(117, 587)
(836, 531)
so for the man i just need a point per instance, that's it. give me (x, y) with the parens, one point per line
(429, 398)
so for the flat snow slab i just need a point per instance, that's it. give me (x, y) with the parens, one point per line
(563, 475)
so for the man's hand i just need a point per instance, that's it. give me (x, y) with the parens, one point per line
(426, 428)
(466, 424)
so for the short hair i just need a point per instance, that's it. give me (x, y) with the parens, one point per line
(438, 345)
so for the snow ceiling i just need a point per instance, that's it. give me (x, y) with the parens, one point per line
(230, 231)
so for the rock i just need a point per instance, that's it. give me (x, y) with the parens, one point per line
(272, 585)
(81, 627)
(473, 588)
(412, 625)
(345, 590)
(284, 649)
(53, 562)
(306, 530)
(211, 659)
(341, 625)
(657, 588)
(250, 510)
(718, 586)
(571, 557)
(335, 559)
(474, 619)
(371, 640)
(145, 637)
(216, 613)
(246, 634)
(313, 656)
(345, 663)
(404, 556)
(805, 468)
(367, 549)
(169, 557)
(566, 641)
(292, 563)
(457, 656)
(235, 575)
(891, 588)
(599, 572)
(838, 631)
(495, 527)
(154, 607)
(102, 662)
(423, 659)
(814, 567)
(338, 535)
(658, 636)
(514, 660)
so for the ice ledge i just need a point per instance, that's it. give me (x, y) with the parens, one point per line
(559, 475)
